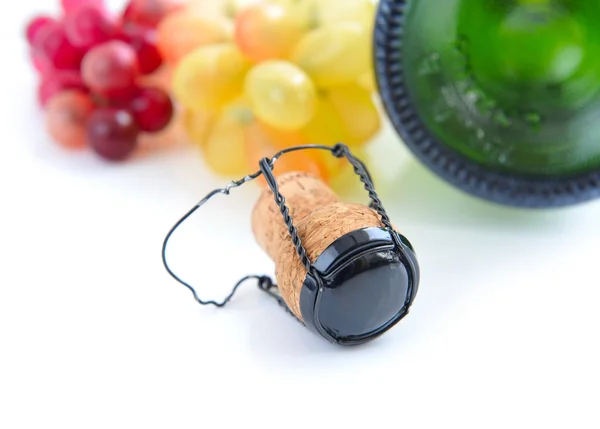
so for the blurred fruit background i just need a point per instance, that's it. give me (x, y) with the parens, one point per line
(240, 79)
(100, 74)
(280, 73)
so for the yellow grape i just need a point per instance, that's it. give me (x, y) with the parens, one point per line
(357, 112)
(346, 114)
(208, 8)
(210, 76)
(361, 11)
(325, 127)
(264, 140)
(316, 13)
(328, 166)
(281, 139)
(335, 54)
(182, 32)
(225, 146)
(198, 124)
(229, 8)
(259, 145)
(234, 7)
(367, 81)
(322, 163)
(266, 31)
(281, 94)
(306, 14)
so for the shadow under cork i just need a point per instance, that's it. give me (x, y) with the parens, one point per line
(277, 338)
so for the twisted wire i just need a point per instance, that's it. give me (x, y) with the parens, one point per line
(265, 283)
(267, 170)
(361, 170)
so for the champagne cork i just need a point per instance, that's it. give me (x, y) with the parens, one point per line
(320, 218)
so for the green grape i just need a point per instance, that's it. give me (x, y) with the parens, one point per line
(197, 125)
(281, 94)
(335, 54)
(210, 76)
(331, 11)
(357, 113)
(346, 114)
(224, 147)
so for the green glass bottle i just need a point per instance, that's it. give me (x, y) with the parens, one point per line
(499, 97)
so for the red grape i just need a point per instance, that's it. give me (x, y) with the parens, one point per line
(70, 6)
(143, 41)
(40, 62)
(59, 80)
(112, 133)
(110, 69)
(149, 12)
(66, 117)
(35, 25)
(51, 40)
(89, 26)
(152, 109)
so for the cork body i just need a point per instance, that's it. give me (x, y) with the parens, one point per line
(320, 218)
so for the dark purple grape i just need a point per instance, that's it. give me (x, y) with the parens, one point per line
(112, 133)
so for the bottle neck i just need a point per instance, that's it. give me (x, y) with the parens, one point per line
(511, 84)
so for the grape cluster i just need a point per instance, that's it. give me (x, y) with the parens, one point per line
(92, 67)
(256, 76)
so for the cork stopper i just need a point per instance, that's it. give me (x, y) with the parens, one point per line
(303, 193)
(320, 219)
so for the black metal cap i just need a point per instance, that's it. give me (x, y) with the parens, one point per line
(366, 282)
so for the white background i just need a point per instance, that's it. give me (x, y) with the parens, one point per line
(95, 334)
